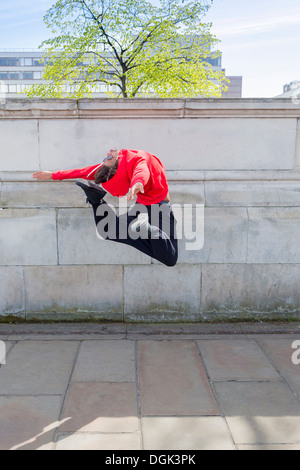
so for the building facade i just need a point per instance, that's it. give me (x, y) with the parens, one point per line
(21, 69)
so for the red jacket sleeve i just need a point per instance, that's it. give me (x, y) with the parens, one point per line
(87, 173)
(139, 170)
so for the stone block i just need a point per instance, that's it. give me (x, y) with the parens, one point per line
(19, 145)
(252, 193)
(106, 361)
(240, 360)
(38, 368)
(160, 293)
(280, 351)
(191, 192)
(274, 235)
(77, 143)
(186, 433)
(260, 412)
(248, 289)
(161, 363)
(11, 291)
(28, 237)
(225, 144)
(101, 407)
(37, 194)
(96, 441)
(79, 244)
(28, 422)
(225, 238)
(74, 291)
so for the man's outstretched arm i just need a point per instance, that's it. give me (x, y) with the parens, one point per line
(85, 173)
(42, 175)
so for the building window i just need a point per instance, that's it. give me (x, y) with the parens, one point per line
(37, 62)
(3, 75)
(27, 75)
(10, 62)
(12, 89)
(37, 75)
(3, 87)
(28, 62)
(13, 76)
(13, 62)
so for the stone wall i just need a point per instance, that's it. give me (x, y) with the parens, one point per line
(240, 158)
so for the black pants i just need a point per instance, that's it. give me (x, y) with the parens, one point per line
(161, 245)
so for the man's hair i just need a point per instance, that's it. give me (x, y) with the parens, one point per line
(105, 173)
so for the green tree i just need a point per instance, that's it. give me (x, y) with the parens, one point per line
(138, 47)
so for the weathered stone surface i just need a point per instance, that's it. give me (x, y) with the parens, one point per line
(274, 235)
(280, 351)
(28, 422)
(154, 292)
(186, 433)
(96, 441)
(252, 193)
(106, 361)
(11, 291)
(216, 154)
(250, 289)
(225, 238)
(58, 194)
(19, 145)
(41, 367)
(28, 237)
(240, 360)
(78, 242)
(101, 407)
(173, 380)
(76, 291)
(261, 412)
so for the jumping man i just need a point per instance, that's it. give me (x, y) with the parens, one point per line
(149, 225)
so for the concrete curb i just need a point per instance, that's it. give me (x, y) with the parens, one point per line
(149, 329)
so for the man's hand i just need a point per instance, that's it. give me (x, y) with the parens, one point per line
(136, 188)
(42, 175)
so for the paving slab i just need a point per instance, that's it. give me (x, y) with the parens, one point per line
(106, 361)
(260, 412)
(173, 380)
(28, 423)
(236, 360)
(186, 433)
(270, 447)
(101, 407)
(95, 441)
(177, 387)
(38, 367)
(280, 352)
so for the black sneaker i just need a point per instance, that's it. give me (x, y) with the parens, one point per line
(94, 193)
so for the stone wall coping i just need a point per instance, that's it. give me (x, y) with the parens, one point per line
(148, 108)
(185, 176)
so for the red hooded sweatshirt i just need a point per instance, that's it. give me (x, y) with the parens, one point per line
(135, 166)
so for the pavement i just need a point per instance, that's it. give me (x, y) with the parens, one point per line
(150, 387)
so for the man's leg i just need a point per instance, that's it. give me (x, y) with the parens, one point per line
(161, 243)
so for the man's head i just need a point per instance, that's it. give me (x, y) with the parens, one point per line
(111, 157)
(109, 167)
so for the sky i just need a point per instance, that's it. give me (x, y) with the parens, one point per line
(259, 39)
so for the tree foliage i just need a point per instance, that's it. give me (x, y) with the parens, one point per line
(136, 47)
